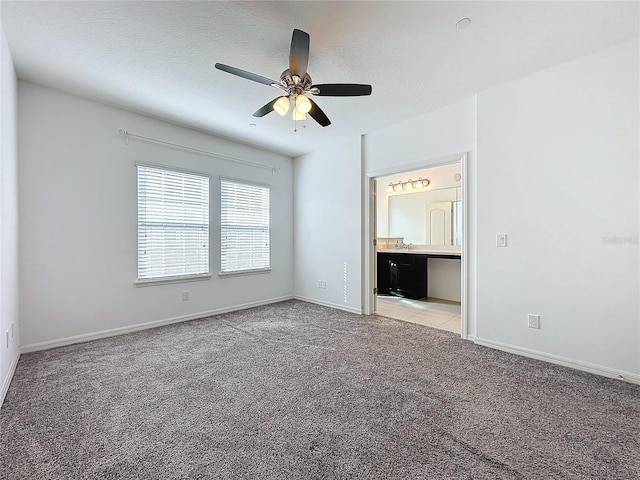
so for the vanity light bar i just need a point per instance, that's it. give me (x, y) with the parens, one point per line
(408, 185)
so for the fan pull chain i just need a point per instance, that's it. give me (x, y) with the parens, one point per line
(295, 125)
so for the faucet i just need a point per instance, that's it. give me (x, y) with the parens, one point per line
(401, 245)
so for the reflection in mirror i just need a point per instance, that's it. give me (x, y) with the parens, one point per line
(431, 217)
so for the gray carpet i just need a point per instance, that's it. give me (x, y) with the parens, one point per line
(295, 390)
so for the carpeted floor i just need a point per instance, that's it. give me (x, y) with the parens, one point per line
(295, 390)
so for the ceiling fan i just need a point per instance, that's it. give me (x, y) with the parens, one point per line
(296, 84)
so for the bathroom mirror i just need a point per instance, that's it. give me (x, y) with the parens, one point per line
(432, 217)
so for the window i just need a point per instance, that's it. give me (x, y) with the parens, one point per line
(244, 229)
(173, 224)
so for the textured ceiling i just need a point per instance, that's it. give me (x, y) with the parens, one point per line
(158, 57)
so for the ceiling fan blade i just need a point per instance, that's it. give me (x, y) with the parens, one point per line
(341, 89)
(245, 74)
(299, 53)
(318, 115)
(268, 108)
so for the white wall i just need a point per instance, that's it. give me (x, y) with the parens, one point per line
(78, 216)
(444, 279)
(558, 172)
(419, 140)
(327, 225)
(8, 219)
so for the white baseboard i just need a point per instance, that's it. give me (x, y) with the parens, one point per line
(329, 304)
(61, 342)
(7, 380)
(564, 361)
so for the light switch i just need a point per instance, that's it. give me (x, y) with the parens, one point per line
(501, 240)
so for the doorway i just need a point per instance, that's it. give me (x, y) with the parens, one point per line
(416, 228)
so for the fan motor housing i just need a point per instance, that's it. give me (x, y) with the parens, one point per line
(294, 84)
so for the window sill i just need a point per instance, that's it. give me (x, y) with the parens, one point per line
(244, 272)
(166, 280)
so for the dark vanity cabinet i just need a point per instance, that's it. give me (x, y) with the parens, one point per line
(402, 274)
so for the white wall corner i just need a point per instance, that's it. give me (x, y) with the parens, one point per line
(6, 382)
(9, 322)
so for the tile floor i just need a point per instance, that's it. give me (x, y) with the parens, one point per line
(432, 312)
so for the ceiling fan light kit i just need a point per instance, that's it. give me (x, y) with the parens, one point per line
(297, 84)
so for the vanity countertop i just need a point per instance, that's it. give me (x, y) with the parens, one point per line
(421, 251)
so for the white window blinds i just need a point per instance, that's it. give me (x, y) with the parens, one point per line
(244, 216)
(173, 224)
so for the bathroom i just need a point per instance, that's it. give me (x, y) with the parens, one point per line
(418, 240)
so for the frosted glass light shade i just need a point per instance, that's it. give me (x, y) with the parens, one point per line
(281, 106)
(303, 104)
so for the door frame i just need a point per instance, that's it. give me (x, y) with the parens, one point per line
(370, 260)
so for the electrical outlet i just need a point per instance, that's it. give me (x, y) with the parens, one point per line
(185, 295)
(322, 284)
(533, 321)
(501, 240)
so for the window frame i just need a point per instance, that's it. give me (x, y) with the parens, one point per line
(252, 271)
(144, 282)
